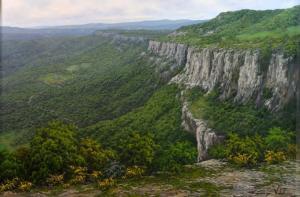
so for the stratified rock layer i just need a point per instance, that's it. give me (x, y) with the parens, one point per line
(237, 74)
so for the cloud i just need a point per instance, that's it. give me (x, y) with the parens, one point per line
(62, 12)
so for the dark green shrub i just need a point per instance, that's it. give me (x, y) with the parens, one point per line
(218, 151)
(136, 149)
(53, 151)
(95, 157)
(8, 166)
(177, 155)
(278, 139)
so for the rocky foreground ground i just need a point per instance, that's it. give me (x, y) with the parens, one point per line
(208, 178)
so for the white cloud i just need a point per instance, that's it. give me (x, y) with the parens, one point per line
(62, 12)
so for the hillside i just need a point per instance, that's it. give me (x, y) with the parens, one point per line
(90, 79)
(245, 29)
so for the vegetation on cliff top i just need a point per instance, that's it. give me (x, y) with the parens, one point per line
(245, 29)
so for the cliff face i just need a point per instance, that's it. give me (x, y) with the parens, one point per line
(205, 136)
(237, 74)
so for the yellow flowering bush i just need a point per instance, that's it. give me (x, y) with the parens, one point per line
(80, 174)
(292, 151)
(9, 185)
(243, 159)
(272, 157)
(55, 180)
(134, 171)
(95, 175)
(25, 186)
(106, 184)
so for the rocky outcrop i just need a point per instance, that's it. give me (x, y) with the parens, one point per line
(173, 51)
(237, 74)
(205, 136)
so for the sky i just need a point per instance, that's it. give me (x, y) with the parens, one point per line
(28, 13)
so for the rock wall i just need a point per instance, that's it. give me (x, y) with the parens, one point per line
(205, 136)
(176, 52)
(237, 74)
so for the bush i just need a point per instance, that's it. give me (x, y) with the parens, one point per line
(292, 151)
(95, 157)
(243, 160)
(134, 171)
(218, 151)
(79, 174)
(272, 157)
(114, 170)
(54, 180)
(53, 150)
(9, 185)
(278, 139)
(25, 186)
(8, 166)
(177, 155)
(137, 150)
(95, 175)
(245, 151)
(106, 184)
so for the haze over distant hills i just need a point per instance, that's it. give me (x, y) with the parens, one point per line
(85, 29)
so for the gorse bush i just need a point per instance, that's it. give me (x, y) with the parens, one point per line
(272, 157)
(137, 150)
(54, 180)
(95, 157)
(244, 151)
(106, 184)
(53, 150)
(250, 150)
(134, 172)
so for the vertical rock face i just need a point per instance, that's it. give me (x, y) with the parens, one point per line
(176, 52)
(205, 136)
(237, 74)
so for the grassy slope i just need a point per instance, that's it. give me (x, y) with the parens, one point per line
(87, 80)
(246, 29)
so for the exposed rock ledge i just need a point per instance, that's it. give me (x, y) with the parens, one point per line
(205, 136)
(237, 74)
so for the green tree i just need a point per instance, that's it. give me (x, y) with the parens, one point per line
(8, 166)
(177, 155)
(95, 157)
(136, 149)
(278, 139)
(53, 151)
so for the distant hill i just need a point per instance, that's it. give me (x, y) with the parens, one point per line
(11, 33)
(244, 29)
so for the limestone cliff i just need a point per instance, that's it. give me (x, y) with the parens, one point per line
(205, 136)
(237, 74)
